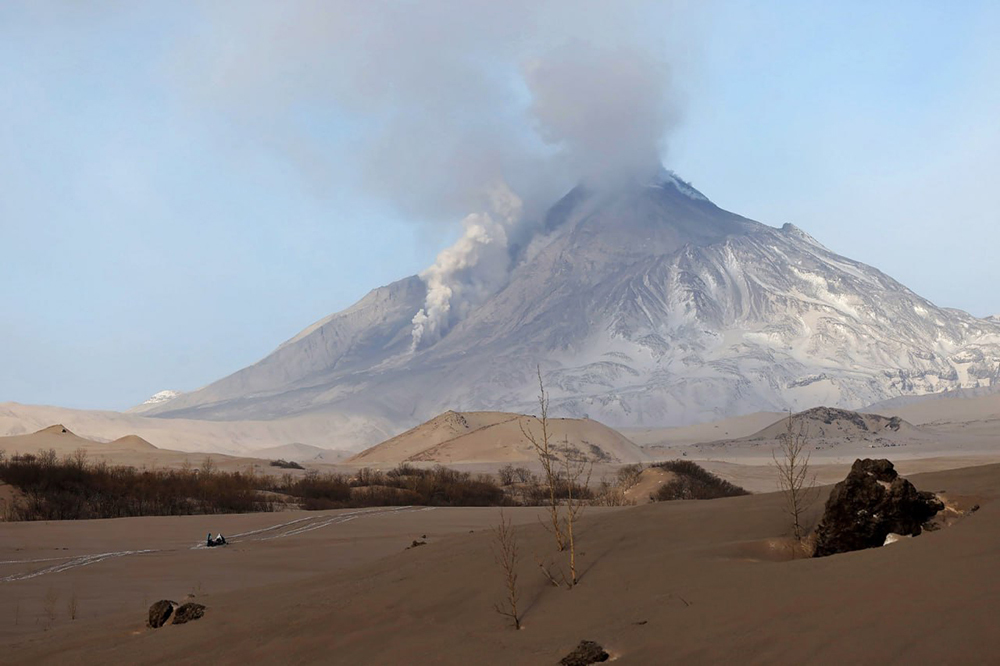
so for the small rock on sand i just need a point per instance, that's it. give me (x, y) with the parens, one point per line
(188, 612)
(160, 612)
(587, 652)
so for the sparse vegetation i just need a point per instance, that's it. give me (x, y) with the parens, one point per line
(572, 473)
(53, 489)
(71, 489)
(629, 475)
(505, 552)
(547, 459)
(611, 494)
(693, 482)
(286, 464)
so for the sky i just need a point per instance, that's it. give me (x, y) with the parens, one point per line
(184, 186)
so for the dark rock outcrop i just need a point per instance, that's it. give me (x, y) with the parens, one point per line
(160, 612)
(587, 652)
(188, 612)
(869, 504)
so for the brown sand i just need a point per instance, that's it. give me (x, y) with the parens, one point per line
(680, 582)
(230, 437)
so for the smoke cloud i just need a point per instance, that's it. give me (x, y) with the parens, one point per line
(478, 111)
(471, 270)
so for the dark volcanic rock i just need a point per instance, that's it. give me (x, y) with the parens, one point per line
(187, 612)
(869, 504)
(160, 612)
(587, 652)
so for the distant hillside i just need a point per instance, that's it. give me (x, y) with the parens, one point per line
(465, 437)
(830, 423)
(301, 453)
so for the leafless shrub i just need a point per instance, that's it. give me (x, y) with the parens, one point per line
(506, 475)
(629, 476)
(208, 466)
(611, 494)
(71, 606)
(524, 475)
(798, 485)
(505, 552)
(80, 458)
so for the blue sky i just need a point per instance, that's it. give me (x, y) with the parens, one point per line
(178, 195)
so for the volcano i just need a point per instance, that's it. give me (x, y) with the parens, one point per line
(645, 305)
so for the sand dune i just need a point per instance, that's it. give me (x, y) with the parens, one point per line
(130, 450)
(231, 437)
(681, 582)
(481, 437)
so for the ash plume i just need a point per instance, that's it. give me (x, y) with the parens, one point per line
(470, 271)
(443, 105)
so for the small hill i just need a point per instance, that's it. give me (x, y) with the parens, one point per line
(831, 423)
(496, 437)
(301, 453)
(56, 437)
(64, 442)
(132, 443)
(129, 450)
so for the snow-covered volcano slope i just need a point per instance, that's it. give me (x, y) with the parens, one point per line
(646, 306)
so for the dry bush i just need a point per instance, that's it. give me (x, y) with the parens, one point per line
(505, 552)
(71, 606)
(546, 456)
(49, 604)
(506, 475)
(629, 476)
(611, 494)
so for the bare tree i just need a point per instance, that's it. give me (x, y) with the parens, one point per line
(791, 461)
(506, 475)
(80, 458)
(574, 471)
(505, 553)
(547, 459)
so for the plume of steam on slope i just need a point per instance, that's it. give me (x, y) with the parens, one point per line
(470, 271)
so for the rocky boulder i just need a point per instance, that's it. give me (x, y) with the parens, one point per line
(188, 612)
(872, 502)
(587, 652)
(160, 612)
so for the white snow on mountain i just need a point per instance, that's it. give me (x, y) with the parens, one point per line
(155, 400)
